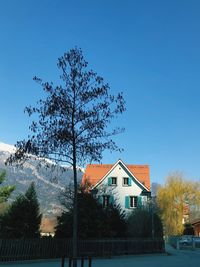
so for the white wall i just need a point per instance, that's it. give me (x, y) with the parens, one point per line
(119, 192)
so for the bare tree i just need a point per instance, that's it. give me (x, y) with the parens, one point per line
(72, 122)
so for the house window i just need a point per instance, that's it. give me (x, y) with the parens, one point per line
(126, 181)
(114, 180)
(133, 202)
(106, 201)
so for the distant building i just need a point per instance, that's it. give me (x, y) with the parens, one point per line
(47, 227)
(119, 183)
(196, 225)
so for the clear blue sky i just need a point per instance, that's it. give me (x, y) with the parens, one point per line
(150, 50)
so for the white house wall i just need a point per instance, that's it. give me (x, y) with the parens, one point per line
(119, 191)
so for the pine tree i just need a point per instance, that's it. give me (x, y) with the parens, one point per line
(23, 218)
(5, 191)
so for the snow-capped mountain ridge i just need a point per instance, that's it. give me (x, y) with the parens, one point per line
(49, 181)
(7, 148)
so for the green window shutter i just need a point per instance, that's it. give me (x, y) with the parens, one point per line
(111, 200)
(129, 181)
(127, 202)
(109, 181)
(139, 201)
(100, 200)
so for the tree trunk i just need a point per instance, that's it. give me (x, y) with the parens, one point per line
(75, 215)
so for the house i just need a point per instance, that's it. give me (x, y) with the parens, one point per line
(119, 183)
(196, 225)
(47, 226)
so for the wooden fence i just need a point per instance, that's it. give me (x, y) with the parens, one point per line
(48, 248)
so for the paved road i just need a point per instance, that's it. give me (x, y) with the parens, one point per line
(175, 259)
(182, 258)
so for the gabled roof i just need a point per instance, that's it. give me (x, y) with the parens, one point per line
(94, 173)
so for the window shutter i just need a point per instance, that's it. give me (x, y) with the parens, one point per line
(100, 200)
(111, 200)
(109, 181)
(129, 181)
(127, 202)
(139, 201)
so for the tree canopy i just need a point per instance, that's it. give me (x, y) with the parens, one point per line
(71, 124)
(94, 221)
(141, 222)
(72, 121)
(23, 218)
(5, 191)
(175, 200)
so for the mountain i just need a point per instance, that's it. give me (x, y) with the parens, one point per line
(50, 180)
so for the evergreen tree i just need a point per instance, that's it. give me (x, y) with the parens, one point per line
(64, 225)
(23, 218)
(139, 224)
(5, 191)
(94, 221)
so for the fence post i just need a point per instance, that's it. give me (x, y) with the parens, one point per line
(89, 262)
(70, 262)
(63, 261)
(177, 244)
(82, 261)
(1, 258)
(193, 243)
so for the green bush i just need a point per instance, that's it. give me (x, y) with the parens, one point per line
(144, 223)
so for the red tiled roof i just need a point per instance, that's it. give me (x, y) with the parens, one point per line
(95, 172)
